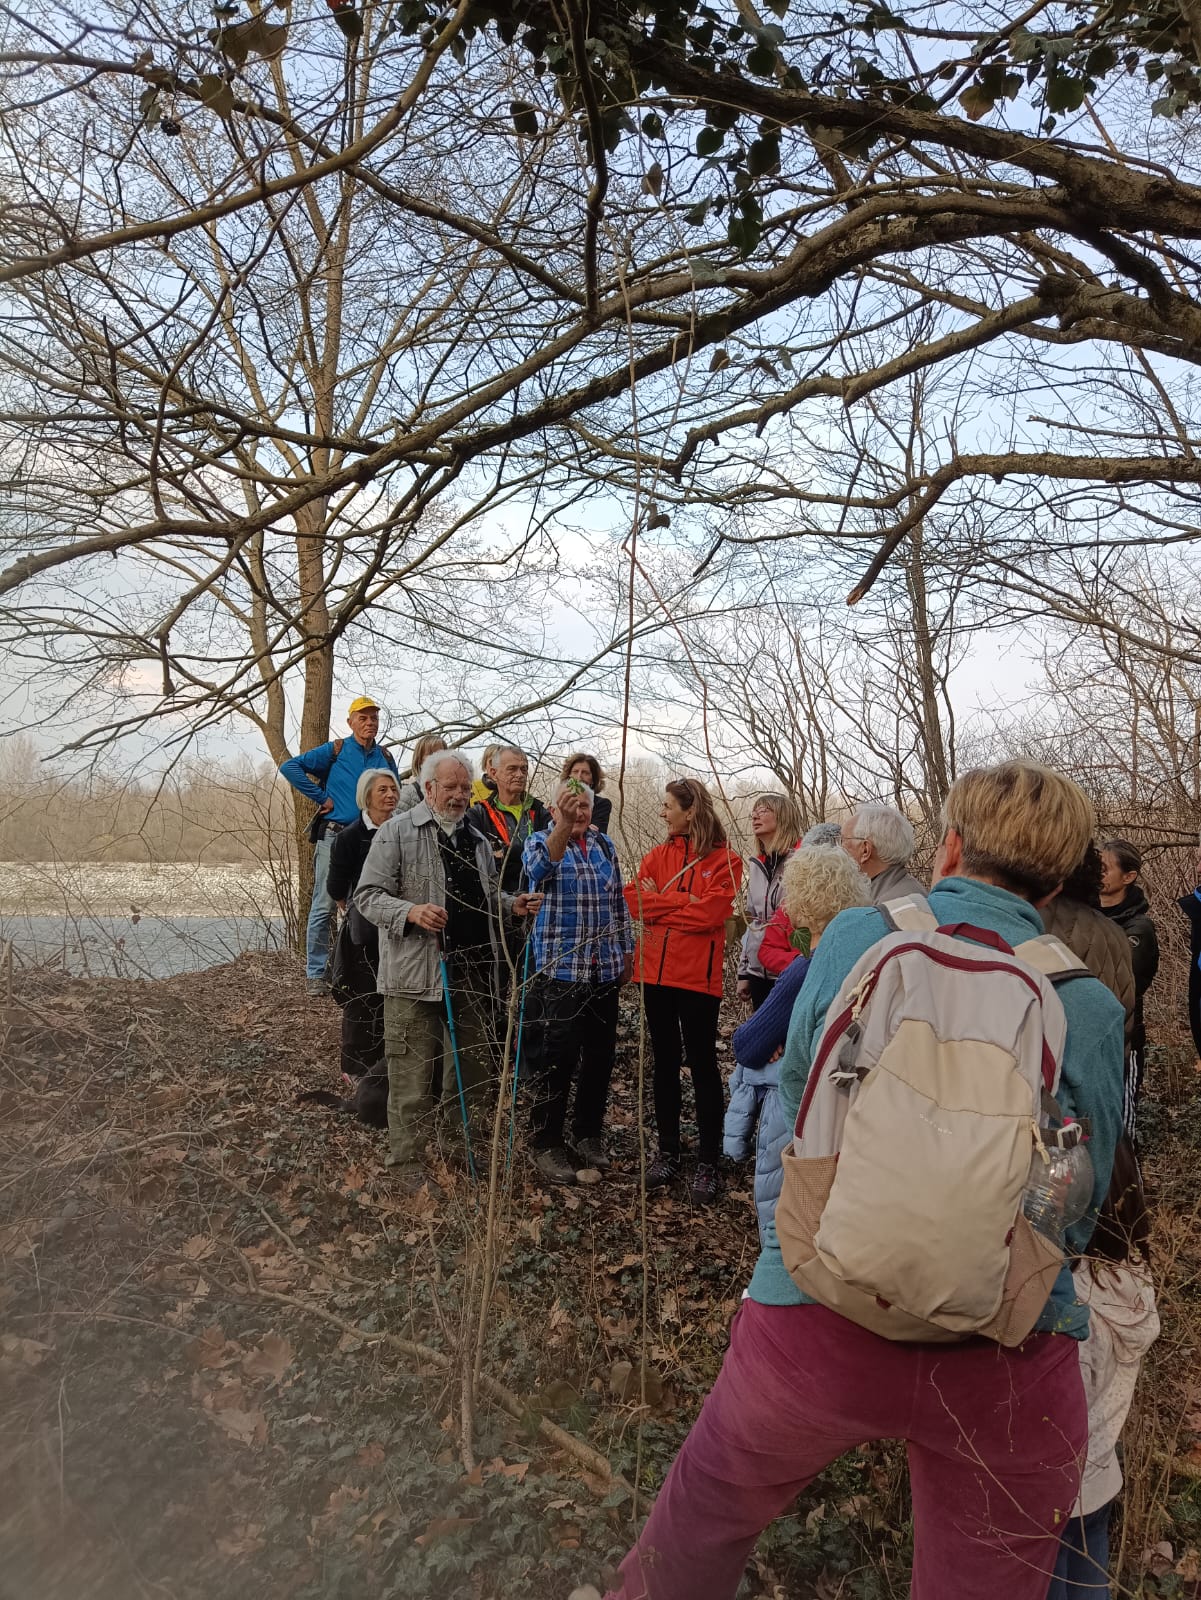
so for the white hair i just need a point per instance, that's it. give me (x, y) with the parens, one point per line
(887, 829)
(367, 782)
(508, 750)
(820, 880)
(572, 786)
(429, 767)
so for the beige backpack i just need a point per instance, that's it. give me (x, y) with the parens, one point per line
(930, 1089)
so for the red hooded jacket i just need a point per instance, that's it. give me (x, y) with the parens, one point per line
(684, 922)
(776, 950)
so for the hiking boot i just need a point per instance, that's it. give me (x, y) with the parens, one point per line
(316, 987)
(592, 1153)
(410, 1181)
(662, 1170)
(555, 1165)
(706, 1183)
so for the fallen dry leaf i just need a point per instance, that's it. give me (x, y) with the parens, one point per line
(271, 1360)
(197, 1247)
(625, 1382)
(211, 1349)
(1158, 1559)
(245, 1541)
(30, 1352)
(442, 1527)
(247, 1427)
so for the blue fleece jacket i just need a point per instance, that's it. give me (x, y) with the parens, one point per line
(1091, 1083)
(324, 773)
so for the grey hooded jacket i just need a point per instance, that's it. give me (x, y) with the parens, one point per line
(404, 869)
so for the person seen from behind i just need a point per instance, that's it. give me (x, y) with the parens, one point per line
(879, 840)
(1190, 905)
(411, 792)
(1114, 1281)
(818, 883)
(682, 895)
(1123, 899)
(587, 769)
(328, 775)
(776, 827)
(583, 949)
(995, 1433)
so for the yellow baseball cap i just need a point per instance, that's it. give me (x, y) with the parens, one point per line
(363, 703)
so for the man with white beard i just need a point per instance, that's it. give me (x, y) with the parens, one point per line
(430, 885)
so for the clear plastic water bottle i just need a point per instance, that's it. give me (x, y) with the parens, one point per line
(1059, 1188)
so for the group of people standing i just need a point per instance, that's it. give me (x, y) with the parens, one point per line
(459, 890)
(484, 889)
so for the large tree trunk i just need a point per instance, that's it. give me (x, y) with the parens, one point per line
(317, 706)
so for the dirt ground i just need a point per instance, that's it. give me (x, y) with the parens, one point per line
(230, 1353)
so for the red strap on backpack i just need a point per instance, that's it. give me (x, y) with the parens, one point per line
(968, 930)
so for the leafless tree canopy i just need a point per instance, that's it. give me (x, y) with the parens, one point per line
(397, 348)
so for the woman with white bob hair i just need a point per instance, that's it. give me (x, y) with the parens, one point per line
(819, 881)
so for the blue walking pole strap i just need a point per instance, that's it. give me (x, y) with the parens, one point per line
(454, 1050)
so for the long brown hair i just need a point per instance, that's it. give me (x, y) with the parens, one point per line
(597, 781)
(705, 831)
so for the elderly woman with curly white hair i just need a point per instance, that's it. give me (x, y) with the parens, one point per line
(819, 882)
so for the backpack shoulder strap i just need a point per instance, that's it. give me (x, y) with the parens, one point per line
(337, 744)
(909, 914)
(1052, 958)
(606, 845)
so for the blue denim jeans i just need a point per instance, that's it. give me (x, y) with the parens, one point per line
(316, 939)
(1082, 1567)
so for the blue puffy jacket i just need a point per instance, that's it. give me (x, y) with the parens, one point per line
(754, 1118)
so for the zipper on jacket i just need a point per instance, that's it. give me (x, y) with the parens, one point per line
(667, 932)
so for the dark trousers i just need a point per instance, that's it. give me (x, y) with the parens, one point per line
(760, 989)
(363, 1035)
(576, 1040)
(1082, 1569)
(683, 1027)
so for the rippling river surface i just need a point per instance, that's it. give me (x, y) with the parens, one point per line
(136, 920)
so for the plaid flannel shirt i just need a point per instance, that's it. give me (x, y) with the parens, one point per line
(583, 929)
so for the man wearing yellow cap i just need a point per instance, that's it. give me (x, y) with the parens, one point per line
(328, 776)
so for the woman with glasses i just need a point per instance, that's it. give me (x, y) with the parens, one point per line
(682, 896)
(777, 828)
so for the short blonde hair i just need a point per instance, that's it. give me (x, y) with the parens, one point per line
(820, 880)
(790, 824)
(1022, 824)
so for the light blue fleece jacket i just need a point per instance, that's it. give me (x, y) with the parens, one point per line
(1091, 1083)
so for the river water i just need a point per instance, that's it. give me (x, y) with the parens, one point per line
(136, 920)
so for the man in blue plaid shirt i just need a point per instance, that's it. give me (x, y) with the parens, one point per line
(583, 951)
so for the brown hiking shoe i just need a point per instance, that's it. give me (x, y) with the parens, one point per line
(555, 1165)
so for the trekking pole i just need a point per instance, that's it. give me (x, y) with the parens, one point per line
(454, 1048)
(525, 983)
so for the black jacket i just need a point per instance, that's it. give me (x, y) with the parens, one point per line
(507, 836)
(347, 857)
(602, 810)
(1190, 904)
(1132, 915)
